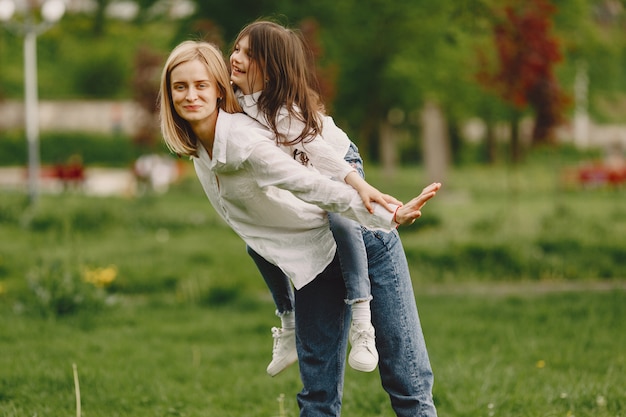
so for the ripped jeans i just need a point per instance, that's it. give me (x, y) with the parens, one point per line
(323, 320)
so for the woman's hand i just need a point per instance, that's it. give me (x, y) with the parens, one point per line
(408, 213)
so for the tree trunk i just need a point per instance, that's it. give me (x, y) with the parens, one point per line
(436, 147)
(516, 145)
(490, 143)
(388, 151)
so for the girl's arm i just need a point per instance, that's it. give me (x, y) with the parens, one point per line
(321, 154)
(272, 168)
(370, 194)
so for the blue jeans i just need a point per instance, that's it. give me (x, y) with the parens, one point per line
(322, 323)
(350, 246)
(352, 257)
(277, 282)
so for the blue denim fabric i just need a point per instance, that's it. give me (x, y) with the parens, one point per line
(352, 257)
(322, 323)
(354, 159)
(277, 282)
(350, 246)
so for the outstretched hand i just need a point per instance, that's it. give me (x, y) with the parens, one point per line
(409, 212)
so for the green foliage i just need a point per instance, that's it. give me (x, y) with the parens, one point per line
(101, 75)
(75, 63)
(58, 147)
(58, 288)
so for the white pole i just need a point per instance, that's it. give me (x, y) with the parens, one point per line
(31, 112)
(581, 115)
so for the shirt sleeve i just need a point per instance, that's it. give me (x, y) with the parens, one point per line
(321, 154)
(326, 159)
(273, 168)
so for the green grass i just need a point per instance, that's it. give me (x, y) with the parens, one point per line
(519, 281)
(167, 357)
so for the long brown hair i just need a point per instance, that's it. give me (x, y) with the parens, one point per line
(283, 60)
(176, 131)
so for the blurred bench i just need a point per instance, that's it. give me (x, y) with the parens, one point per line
(70, 175)
(599, 174)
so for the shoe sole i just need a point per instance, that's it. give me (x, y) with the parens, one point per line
(282, 365)
(360, 366)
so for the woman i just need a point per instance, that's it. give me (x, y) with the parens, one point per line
(278, 208)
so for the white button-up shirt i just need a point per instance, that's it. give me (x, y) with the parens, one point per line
(277, 206)
(325, 155)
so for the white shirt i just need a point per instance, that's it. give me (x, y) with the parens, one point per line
(264, 197)
(324, 155)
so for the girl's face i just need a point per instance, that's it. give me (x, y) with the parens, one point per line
(245, 72)
(194, 93)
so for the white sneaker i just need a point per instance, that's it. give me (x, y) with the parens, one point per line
(363, 356)
(284, 352)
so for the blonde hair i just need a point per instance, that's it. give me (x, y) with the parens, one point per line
(176, 131)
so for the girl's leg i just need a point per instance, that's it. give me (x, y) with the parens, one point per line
(284, 350)
(353, 260)
(352, 257)
(350, 246)
(276, 281)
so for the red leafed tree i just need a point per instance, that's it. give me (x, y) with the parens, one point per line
(527, 53)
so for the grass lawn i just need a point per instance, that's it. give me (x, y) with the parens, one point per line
(520, 285)
(518, 354)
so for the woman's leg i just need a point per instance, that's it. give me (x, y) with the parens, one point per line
(284, 350)
(404, 365)
(322, 321)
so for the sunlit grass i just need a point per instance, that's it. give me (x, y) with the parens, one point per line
(520, 292)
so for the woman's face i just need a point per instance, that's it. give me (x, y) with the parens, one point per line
(194, 93)
(245, 72)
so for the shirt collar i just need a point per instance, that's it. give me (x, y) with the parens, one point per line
(248, 100)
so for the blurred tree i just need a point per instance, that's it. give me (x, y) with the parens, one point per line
(527, 53)
(99, 18)
(220, 21)
(593, 35)
(101, 75)
(145, 88)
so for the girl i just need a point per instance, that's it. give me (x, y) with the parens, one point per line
(262, 194)
(269, 71)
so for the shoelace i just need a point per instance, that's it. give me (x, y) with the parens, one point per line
(276, 334)
(361, 339)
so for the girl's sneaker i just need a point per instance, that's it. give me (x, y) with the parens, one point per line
(284, 351)
(363, 356)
